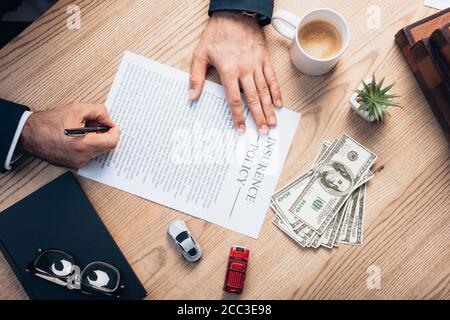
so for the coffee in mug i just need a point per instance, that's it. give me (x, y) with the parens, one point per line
(320, 39)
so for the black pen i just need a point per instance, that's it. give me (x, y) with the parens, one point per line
(85, 130)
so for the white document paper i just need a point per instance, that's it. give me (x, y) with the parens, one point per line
(438, 4)
(187, 156)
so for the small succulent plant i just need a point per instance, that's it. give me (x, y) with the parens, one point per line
(375, 100)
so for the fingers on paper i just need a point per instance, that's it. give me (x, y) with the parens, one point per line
(197, 75)
(265, 98)
(254, 104)
(272, 82)
(233, 95)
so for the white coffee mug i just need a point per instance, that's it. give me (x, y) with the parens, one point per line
(288, 24)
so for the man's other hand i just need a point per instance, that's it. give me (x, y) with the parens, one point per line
(236, 46)
(43, 134)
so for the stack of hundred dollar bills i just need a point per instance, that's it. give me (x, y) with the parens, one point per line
(325, 205)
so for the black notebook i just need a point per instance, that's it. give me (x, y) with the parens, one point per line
(59, 216)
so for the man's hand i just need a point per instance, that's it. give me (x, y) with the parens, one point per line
(43, 134)
(236, 46)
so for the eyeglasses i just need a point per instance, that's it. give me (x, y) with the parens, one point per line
(59, 267)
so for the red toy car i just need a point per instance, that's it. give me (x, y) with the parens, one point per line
(237, 266)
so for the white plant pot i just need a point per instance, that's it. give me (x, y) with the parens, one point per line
(355, 104)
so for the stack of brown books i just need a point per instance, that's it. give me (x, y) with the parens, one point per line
(425, 45)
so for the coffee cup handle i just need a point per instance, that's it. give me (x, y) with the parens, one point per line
(285, 23)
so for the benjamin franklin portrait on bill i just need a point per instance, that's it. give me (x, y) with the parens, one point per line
(335, 178)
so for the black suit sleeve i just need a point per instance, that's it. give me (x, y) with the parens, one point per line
(10, 114)
(264, 8)
(9, 5)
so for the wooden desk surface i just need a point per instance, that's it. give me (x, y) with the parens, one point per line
(407, 222)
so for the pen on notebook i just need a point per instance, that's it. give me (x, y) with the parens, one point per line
(85, 130)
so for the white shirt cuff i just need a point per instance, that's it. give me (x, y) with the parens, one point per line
(11, 157)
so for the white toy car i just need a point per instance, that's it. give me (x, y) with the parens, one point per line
(189, 248)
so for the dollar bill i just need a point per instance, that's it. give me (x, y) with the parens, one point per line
(346, 225)
(297, 237)
(359, 227)
(350, 216)
(315, 241)
(353, 234)
(327, 239)
(312, 233)
(337, 239)
(333, 180)
(308, 237)
(283, 199)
